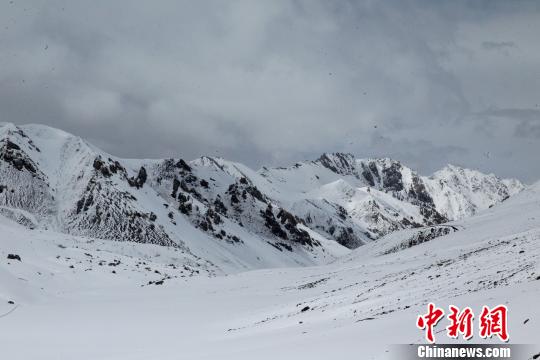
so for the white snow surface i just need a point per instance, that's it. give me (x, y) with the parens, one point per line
(82, 298)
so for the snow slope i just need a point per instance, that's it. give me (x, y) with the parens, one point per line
(354, 308)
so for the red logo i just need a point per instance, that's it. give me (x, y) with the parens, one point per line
(429, 320)
(460, 322)
(492, 322)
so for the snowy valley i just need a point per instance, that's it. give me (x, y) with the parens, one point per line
(110, 258)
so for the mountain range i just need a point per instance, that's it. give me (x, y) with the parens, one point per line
(106, 257)
(223, 216)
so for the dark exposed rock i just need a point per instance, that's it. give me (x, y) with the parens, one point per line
(185, 205)
(420, 237)
(253, 191)
(139, 181)
(190, 179)
(12, 146)
(341, 212)
(206, 224)
(234, 199)
(332, 230)
(288, 219)
(339, 163)
(368, 176)
(98, 163)
(204, 183)
(12, 154)
(14, 257)
(373, 168)
(289, 222)
(241, 190)
(213, 216)
(115, 167)
(176, 185)
(220, 207)
(410, 224)
(181, 164)
(105, 212)
(275, 245)
(286, 246)
(432, 216)
(107, 169)
(272, 224)
(392, 178)
(347, 238)
(84, 203)
(419, 192)
(191, 190)
(281, 245)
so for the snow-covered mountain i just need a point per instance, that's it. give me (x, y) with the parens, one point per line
(70, 297)
(50, 179)
(380, 196)
(220, 212)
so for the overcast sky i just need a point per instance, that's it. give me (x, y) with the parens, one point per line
(273, 82)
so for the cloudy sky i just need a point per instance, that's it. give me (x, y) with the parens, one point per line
(273, 82)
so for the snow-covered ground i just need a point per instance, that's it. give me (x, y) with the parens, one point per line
(79, 298)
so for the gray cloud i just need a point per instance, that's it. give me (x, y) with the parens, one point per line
(519, 114)
(528, 120)
(275, 82)
(498, 45)
(528, 129)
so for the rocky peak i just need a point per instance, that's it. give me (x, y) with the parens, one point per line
(340, 163)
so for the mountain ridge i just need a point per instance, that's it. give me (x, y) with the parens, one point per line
(52, 179)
